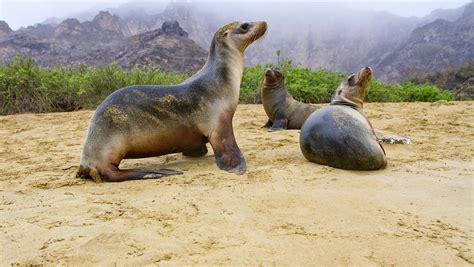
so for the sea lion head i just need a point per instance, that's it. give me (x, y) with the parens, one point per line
(239, 35)
(355, 87)
(274, 77)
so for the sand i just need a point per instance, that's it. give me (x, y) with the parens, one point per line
(284, 210)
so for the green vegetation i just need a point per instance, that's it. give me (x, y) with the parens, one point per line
(307, 85)
(458, 80)
(25, 87)
(317, 86)
(407, 92)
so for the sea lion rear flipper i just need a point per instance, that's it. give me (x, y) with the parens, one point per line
(280, 123)
(392, 138)
(227, 153)
(268, 124)
(114, 174)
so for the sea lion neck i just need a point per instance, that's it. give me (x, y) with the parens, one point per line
(223, 68)
(276, 85)
(343, 101)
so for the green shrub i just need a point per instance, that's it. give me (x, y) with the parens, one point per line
(318, 86)
(250, 87)
(25, 87)
(304, 84)
(407, 92)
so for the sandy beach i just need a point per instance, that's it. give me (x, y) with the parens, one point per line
(284, 210)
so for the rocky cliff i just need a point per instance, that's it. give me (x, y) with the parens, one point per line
(4, 29)
(434, 46)
(168, 47)
(104, 40)
(311, 34)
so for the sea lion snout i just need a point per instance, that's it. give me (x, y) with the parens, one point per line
(365, 75)
(273, 76)
(369, 69)
(257, 30)
(269, 73)
(260, 28)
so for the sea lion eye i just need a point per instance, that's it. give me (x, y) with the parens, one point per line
(245, 27)
(350, 80)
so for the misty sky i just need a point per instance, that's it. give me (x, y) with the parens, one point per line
(19, 13)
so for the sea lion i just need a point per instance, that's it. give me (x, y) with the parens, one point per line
(283, 111)
(154, 120)
(340, 135)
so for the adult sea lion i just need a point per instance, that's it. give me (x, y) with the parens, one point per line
(154, 120)
(340, 135)
(283, 111)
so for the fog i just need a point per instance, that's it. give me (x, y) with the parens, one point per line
(22, 13)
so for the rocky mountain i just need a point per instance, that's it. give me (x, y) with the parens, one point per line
(103, 40)
(39, 31)
(104, 28)
(168, 47)
(328, 35)
(310, 38)
(434, 46)
(4, 29)
(445, 14)
(304, 33)
(22, 44)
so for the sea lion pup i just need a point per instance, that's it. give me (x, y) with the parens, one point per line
(154, 120)
(283, 111)
(340, 135)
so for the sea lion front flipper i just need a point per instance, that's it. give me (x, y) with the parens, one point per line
(268, 124)
(280, 123)
(227, 153)
(194, 153)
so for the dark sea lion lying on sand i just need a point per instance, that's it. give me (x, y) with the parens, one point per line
(340, 135)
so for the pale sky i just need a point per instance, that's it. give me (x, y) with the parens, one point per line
(19, 13)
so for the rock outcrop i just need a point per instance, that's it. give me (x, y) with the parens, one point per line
(434, 46)
(4, 29)
(167, 47)
(317, 35)
(102, 41)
